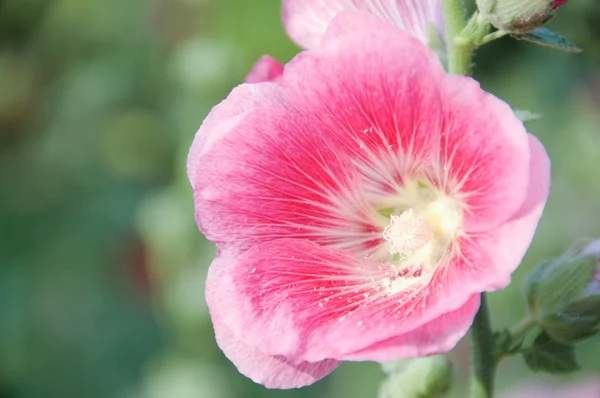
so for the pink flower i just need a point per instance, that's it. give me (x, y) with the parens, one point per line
(307, 20)
(586, 389)
(359, 205)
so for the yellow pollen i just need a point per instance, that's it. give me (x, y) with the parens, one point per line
(444, 217)
(408, 233)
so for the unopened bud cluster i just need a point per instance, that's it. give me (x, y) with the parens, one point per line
(518, 16)
(564, 294)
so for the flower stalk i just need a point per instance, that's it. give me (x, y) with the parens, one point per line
(483, 363)
(460, 51)
(519, 331)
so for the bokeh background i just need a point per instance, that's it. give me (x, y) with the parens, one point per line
(101, 264)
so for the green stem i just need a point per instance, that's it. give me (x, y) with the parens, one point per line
(482, 347)
(460, 51)
(518, 332)
(493, 36)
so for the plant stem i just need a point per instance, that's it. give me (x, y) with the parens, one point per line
(493, 36)
(519, 331)
(460, 51)
(482, 358)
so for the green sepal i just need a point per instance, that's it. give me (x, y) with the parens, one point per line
(532, 281)
(548, 38)
(547, 355)
(505, 345)
(588, 306)
(561, 283)
(568, 329)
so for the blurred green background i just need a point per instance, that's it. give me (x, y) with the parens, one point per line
(101, 264)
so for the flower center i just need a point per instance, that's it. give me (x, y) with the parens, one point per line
(407, 233)
(420, 235)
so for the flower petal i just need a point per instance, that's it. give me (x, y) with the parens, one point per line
(266, 69)
(224, 118)
(276, 174)
(484, 155)
(307, 20)
(270, 371)
(299, 300)
(435, 337)
(502, 249)
(376, 92)
(486, 260)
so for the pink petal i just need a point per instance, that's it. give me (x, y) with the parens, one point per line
(307, 20)
(299, 300)
(224, 117)
(484, 155)
(375, 91)
(435, 337)
(486, 260)
(270, 371)
(493, 256)
(266, 69)
(276, 174)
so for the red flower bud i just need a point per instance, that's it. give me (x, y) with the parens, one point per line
(558, 3)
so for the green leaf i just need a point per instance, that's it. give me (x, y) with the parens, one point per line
(549, 356)
(546, 37)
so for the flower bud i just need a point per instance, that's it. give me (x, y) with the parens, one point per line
(429, 377)
(564, 294)
(518, 16)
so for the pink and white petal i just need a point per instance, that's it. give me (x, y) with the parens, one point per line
(435, 337)
(486, 260)
(375, 91)
(307, 20)
(502, 249)
(305, 302)
(277, 174)
(484, 155)
(270, 371)
(225, 116)
(266, 69)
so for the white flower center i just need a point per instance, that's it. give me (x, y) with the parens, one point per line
(407, 233)
(420, 235)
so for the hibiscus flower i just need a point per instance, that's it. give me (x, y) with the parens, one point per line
(360, 204)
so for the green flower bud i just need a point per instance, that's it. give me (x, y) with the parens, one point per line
(518, 16)
(564, 294)
(429, 377)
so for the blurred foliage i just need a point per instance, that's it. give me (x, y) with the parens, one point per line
(101, 265)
